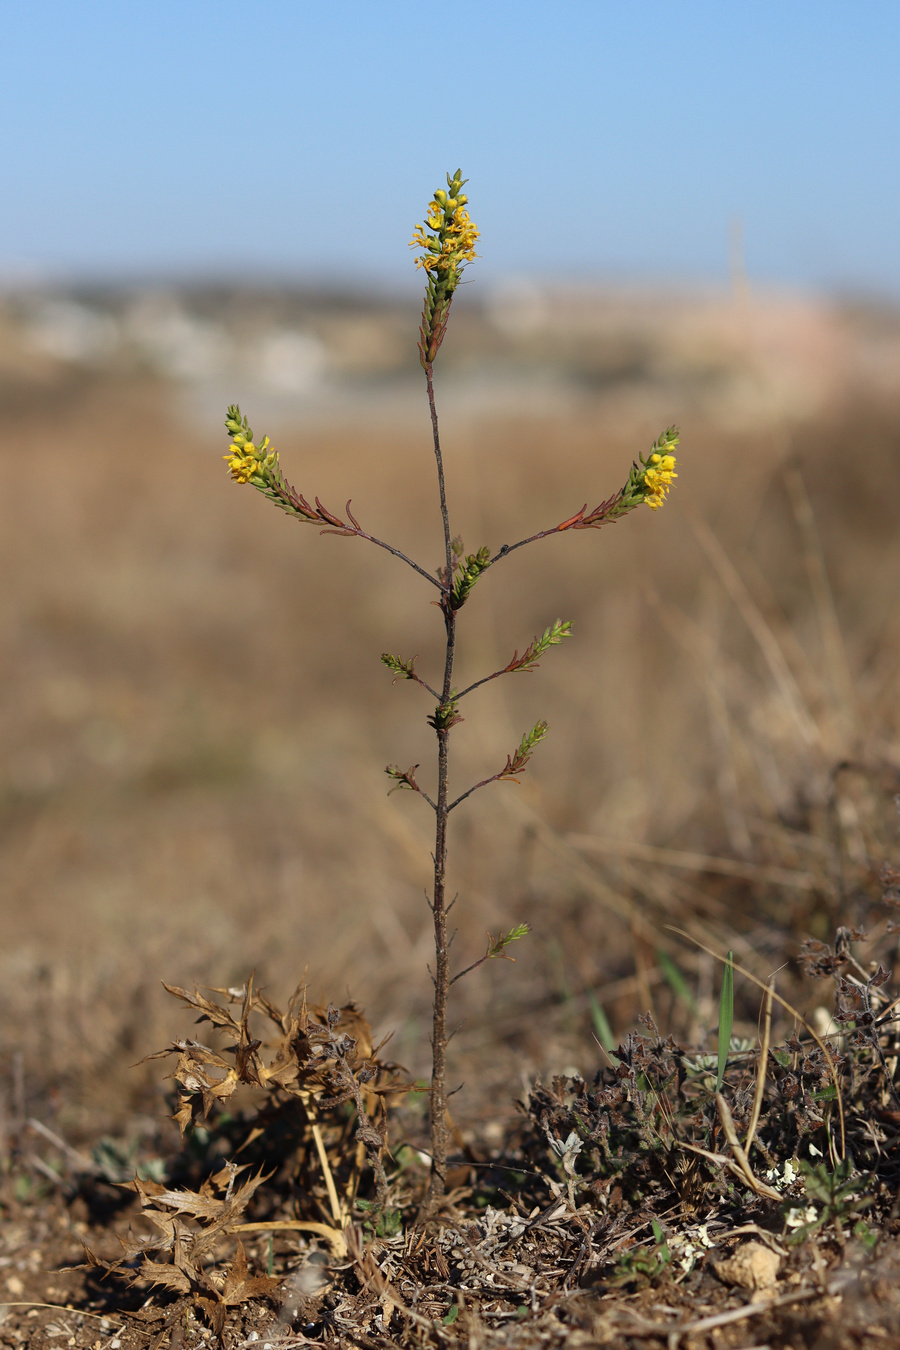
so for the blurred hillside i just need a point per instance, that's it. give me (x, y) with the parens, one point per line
(195, 720)
(745, 360)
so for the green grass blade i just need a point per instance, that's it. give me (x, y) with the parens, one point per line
(602, 1028)
(675, 980)
(726, 1018)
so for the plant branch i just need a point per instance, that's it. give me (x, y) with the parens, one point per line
(515, 763)
(528, 661)
(496, 948)
(485, 680)
(582, 520)
(406, 778)
(495, 777)
(406, 670)
(356, 532)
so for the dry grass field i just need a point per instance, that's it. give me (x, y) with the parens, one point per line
(194, 719)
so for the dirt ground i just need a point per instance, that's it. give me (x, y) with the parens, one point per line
(194, 727)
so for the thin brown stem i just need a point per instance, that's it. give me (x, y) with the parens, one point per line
(511, 548)
(515, 670)
(442, 980)
(423, 793)
(580, 521)
(425, 685)
(474, 788)
(439, 1038)
(478, 683)
(445, 514)
(468, 970)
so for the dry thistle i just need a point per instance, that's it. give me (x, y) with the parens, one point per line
(447, 243)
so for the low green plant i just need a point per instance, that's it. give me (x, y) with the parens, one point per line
(446, 246)
(838, 1198)
(643, 1265)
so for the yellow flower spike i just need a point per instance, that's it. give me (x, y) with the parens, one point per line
(651, 479)
(445, 251)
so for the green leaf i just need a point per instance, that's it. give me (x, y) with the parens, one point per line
(551, 637)
(469, 572)
(664, 1255)
(498, 945)
(601, 1026)
(403, 670)
(726, 1018)
(675, 980)
(445, 715)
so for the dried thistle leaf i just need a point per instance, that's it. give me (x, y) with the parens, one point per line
(161, 1273)
(240, 1286)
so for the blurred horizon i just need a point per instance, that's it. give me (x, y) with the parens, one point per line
(316, 355)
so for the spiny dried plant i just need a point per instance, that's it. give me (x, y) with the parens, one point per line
(446, 243)
(321, 1057)
(319, 1087)
(180, 1255)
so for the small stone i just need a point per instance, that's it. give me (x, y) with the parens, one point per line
(751, 1266)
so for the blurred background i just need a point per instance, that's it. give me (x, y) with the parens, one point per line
(688, 215)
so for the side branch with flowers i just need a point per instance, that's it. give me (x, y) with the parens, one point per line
(447, 245)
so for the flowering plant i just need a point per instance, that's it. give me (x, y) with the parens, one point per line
(446, 242)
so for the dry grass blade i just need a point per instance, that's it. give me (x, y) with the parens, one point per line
(56, 1307)
(333, 1236)
(765, 638)
(842, 683)
(338, 1212)
(743, 1162)
(694, 862)
(611, 899)
(761, 1068)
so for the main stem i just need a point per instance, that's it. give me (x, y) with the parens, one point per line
(439, 1132)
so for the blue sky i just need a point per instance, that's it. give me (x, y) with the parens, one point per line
(229, 139)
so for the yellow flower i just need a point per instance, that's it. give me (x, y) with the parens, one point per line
(658, 479)
(452, 244)
(247, 461)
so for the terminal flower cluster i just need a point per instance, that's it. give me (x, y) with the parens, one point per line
(447, 240)
(452, 242)
(651, 478)
(247, 461)
(658, 478)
